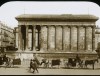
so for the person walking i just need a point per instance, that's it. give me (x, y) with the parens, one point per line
(34, 66)
(30, 64)
(5, 59)
(35, 58)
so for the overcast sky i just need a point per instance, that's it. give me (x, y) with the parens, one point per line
(10, 10)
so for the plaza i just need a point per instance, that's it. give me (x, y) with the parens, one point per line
(25, 71)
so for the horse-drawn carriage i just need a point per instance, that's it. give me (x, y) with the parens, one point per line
(81, 63)
(13, 62)
(55, 62)
(9, 62)
(70, 63)
(50, 63)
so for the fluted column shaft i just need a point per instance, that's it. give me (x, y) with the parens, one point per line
(26, 38)
(88, 38)
(34, 38)
(43, 37)
(47, 37)
(77, 38)
(73, 38)
(19, 38)
(93, 38)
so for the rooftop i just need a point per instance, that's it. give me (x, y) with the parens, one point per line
(53, 17)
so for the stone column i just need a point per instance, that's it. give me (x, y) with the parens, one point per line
(34, 38)
(19, 38)
(70, 38)
(62, 37)
(93, 38)
(26, 38)
(59, 38)
(66, 38)
(81, 38)
(44, 38)
(47, 37)
(30, 39)
(51, 38)
(73, 38)
(77, 37)
(88, 39)
(55, 36)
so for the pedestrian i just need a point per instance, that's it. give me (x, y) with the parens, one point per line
(34, 65)
(35, 58)
(5, 59)
(30, 64)
(10, 62)
(1, 59)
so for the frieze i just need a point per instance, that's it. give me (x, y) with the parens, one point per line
(57, 23)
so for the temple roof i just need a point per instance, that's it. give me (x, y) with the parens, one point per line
(53, 17)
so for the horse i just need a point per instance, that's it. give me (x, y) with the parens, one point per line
(90, 62)
(45, 62)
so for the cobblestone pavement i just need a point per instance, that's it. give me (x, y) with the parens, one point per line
(25, 71)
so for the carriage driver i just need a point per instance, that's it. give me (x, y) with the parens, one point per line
(78, 58)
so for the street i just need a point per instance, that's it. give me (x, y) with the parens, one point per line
(42, 71)
(23, 69)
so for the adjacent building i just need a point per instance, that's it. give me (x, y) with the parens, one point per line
(56, 36)
(7, 38)
(97, 37)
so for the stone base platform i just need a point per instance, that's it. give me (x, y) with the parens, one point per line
(56, 55)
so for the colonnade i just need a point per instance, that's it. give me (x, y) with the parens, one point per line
(58, 38)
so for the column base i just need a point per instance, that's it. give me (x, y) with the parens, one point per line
(94, 51)
(34, 50)
(19, 50)
(27, 50)
(41, 50)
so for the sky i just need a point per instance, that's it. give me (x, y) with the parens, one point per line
(9, 10)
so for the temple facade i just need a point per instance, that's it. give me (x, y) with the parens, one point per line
(51, 35)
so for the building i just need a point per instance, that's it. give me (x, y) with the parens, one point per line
(16, 37)
(97, 37)
(56, 36)
(6, 37)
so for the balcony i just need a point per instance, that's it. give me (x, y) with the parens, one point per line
(6, 39)
(5, 34)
